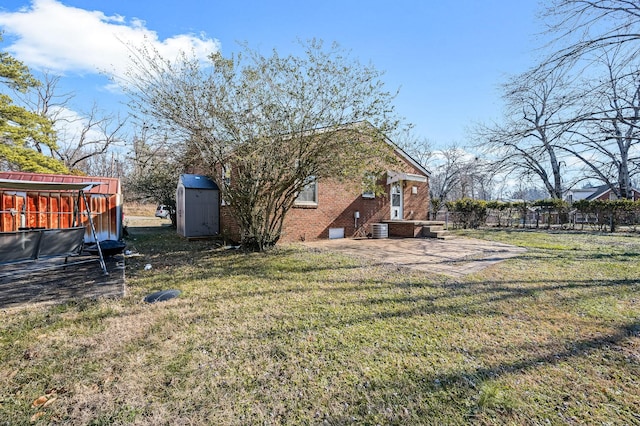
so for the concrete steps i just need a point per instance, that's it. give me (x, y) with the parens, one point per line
(436, 231)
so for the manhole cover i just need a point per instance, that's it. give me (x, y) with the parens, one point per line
(161, 296)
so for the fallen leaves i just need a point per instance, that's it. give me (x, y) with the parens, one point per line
(40, 401)
(37, 415)
(43, 402)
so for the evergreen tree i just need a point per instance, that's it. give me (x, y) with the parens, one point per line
(26, 138)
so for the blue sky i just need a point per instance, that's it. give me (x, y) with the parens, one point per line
(447, 58)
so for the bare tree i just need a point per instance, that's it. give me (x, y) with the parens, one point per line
(110, 165)
(566, 112)
(278, 122)
(457, 173)
(420, 149)
(446, 172)
(81, 137)
(477, 178)
(88, 136)
(606, 138)
(535, 124)
(581, 28)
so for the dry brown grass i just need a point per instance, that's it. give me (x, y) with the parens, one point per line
(135, 208)
(297, 337)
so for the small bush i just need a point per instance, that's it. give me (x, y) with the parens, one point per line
(468, 213)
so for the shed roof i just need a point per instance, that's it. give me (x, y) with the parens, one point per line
(197, 182)
(105, 185)
(29, 185)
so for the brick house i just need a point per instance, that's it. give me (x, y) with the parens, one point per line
(328, 208)
(602, 192)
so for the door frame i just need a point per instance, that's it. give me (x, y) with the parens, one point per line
(397, 211)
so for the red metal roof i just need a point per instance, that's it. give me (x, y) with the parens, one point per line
(110, 186)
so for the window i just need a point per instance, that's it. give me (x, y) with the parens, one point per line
(369, 186)
(368, 194)
(308, 196)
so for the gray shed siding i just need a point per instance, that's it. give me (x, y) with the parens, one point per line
(197, 206)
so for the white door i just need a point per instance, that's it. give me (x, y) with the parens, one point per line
(396, 201)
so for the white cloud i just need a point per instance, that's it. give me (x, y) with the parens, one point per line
(64, 39)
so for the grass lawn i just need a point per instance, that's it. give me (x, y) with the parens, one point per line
(297, 336)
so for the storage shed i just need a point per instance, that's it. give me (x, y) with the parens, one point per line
(197, 206)
(32, 206)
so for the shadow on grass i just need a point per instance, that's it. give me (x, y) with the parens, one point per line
(214, 262)
(487, 296)
(270, 267)
(463, 385)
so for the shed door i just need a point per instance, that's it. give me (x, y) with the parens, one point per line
(396, 200)
(201, 213)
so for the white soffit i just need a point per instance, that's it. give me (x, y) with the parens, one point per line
(393, 177)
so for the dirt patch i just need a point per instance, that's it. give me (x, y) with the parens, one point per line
(51, 282)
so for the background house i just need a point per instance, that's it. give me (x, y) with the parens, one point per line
(602, 192)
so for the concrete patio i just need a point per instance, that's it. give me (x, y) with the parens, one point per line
(455, 257)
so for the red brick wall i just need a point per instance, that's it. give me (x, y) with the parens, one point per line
(416, 206)
(228, 226)
(337, 203)
(404, 230)
(606, 196)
